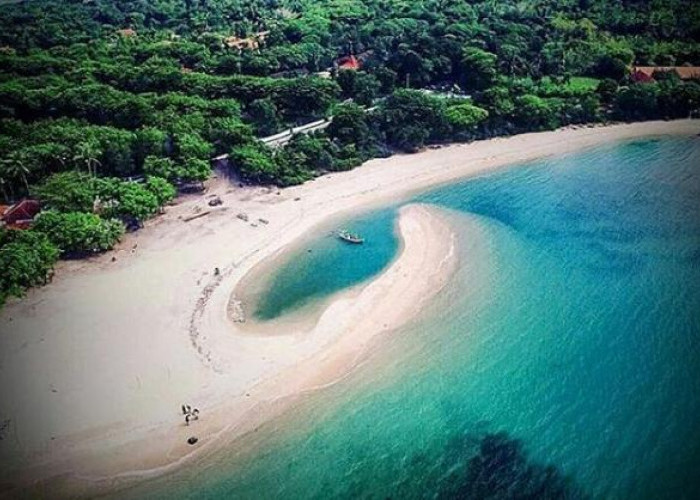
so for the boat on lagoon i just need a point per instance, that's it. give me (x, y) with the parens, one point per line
(350, 237)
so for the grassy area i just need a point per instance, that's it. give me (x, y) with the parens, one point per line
(582, 83)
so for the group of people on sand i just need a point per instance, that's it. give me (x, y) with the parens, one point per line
(190, 413)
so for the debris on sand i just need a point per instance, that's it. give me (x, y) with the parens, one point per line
(235, 311)
(215, 201)
(243, 216)
(192, 440)
(196, 216)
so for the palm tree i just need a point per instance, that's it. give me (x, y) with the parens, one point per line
(4, 184)
(87, 154)
(14, 166)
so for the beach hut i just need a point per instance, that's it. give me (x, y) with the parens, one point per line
(20, 215)
(250, 43)
(641, 74)
(349, 62)
(126, 32)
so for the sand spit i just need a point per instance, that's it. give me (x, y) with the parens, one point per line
(94, 367)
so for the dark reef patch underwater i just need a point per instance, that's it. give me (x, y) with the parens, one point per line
(500, 470)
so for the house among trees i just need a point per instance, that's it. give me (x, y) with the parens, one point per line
(642, 74)
(20, 215)
(348, 62)
(126, 32)
(251, 43)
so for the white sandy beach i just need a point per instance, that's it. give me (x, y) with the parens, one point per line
(94, 366)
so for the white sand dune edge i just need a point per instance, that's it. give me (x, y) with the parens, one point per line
(301, 361)
(94, 367)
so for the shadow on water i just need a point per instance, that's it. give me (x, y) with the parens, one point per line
(492, 465)
(501, 469)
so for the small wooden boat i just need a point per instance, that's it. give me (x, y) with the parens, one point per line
(350, 237)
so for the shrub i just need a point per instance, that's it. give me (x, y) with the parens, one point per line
(26, 259)
(126, 200)
(67, 192)
(79, 233)
(162, 189)
(411, 118)
(465, 117)
(637, 102)
(160, 167)
(255, 163)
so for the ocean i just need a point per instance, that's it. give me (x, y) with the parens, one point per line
(562, 360)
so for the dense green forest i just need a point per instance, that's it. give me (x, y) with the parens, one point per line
(106, 107)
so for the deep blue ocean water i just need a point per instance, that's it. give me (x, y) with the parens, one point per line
(562, 360)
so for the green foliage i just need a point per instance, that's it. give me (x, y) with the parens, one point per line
(637, 102)
(465, 117)
(84, 103)
(478, 68)
(26, 259)
(79, 192)
(164, 168)
(582, 84)
(255, 163)
(534, 113)
(359, 86)
(191, 146)
(67, 192)
(161, 188)
(263, 113)
(192, 170)
(76, 233)
(499, 101)
(411, 118)
(350, 126)
(124, 200)
(611, 67)
(226, 133)
(607, 89)
(149, 141)
(306, 96)
(315, 154)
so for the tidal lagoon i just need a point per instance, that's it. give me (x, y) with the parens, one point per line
(563, 357)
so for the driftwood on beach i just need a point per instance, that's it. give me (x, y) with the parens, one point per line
(196, 216)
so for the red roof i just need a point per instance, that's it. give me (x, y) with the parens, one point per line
(646, 73)
(349, 62)
(642, 77)
(21, 213)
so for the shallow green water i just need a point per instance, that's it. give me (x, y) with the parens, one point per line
(327, 264)
(572, 325)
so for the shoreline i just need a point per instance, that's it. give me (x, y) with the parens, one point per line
(77, 341)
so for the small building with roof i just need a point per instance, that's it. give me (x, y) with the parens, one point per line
(126, 32)
(348, 62)
(641, 74)
(20, 215)
(250, 43)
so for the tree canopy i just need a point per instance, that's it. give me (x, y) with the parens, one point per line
(106, 106)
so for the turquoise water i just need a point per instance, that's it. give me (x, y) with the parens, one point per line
(562, 362)
(339, 265)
